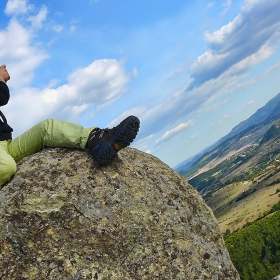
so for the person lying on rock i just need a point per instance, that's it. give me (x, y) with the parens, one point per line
(103, 144)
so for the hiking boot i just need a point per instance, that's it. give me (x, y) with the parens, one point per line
(104, 144)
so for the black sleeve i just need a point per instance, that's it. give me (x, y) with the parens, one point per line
(4, 94)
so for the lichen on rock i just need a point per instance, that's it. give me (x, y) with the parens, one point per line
(64, 217)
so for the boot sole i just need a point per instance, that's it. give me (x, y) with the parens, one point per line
(107, 151)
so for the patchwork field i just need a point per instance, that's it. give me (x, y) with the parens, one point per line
(232, 214)
(224, 198)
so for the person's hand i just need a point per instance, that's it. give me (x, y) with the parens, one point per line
(4, 74)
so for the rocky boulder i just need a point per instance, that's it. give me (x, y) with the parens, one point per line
(64, 217)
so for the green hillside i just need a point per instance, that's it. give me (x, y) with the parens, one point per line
(272, 132)
(255, 249)
(240, 181)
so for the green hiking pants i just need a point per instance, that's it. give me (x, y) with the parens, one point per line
(48, 133)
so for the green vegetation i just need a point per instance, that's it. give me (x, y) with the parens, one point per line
(272, 132)
(270, 159)
(255, 249)
(211, 176)
(264, 173)
(199, 164)
(259, 170)
(204, 180)
(274, 208)
(215, 153)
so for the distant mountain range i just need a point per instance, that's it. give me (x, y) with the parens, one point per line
(269, 113)
(239, 178)
(260, 115)
(251, 145)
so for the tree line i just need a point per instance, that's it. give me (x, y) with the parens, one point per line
(255, 249)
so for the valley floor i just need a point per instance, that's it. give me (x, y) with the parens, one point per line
(232, 214)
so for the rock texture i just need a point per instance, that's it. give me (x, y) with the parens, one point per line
(64, 217)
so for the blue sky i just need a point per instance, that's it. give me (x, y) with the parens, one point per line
(190, 70)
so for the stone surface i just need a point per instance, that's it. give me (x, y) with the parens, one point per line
(64, 217)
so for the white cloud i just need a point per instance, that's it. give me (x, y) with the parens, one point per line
(182, 103)
(141, 143)
(249, 32)
(231, 116)
(249, 4)
(136, 111)
(73, 28)
(174, 131)
(227, 5)
(80, 109)
(272, 68)
(19, 55)
(262, 54)
(220, 121)
(37, 20)
(73, 25)
(194, 136)
(244, 106)
(230, 51)
(210, 5)
(26, 105)
(211, 107)
(202, 98)
(99, 83)
(17, 7)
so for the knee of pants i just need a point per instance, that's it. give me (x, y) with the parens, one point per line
(7, 169)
